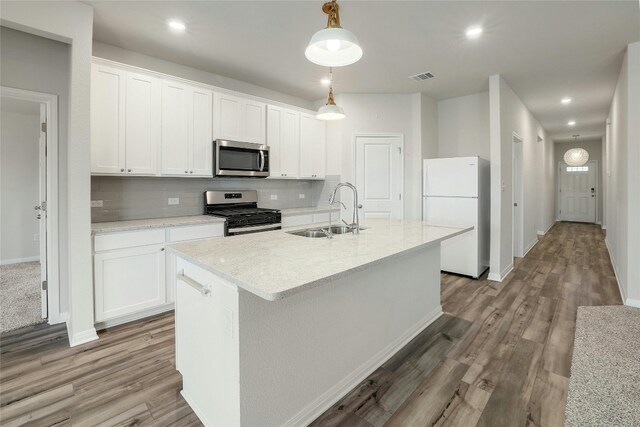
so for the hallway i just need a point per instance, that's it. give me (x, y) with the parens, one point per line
(501, 356)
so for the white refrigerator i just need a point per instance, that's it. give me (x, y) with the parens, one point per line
(455, 193)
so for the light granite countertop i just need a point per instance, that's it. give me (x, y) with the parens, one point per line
(140, 224)
(275, 264)
(304, 211)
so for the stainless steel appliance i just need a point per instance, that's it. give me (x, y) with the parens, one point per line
(240, 208)
(235, 159)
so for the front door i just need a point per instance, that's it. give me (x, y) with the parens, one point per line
(578, 192)
(379, 176)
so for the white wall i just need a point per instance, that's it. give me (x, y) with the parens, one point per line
(71, 23)
(509, 115)
(380, 113)
(594, 147)
(19, 187)
(622, 177)
(42, 65)
(463, 126)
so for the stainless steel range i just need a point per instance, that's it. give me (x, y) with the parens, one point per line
(240, 208)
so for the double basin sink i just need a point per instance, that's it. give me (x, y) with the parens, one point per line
(322, 232)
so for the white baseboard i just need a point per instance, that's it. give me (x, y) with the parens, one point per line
(81, 337)
(623, 294)
(337, 392)
(604, 227)
(500, 277)
(132, 317)
(528, 249)
(632, 302)
(542, 233)
(19, 260)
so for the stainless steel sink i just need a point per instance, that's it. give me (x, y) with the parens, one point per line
(318, 232)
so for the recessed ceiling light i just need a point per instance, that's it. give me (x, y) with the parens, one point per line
(566, 100)
(325, 81)
(176, 25)
(571, 123)
(473, 32)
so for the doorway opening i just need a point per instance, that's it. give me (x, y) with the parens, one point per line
(379, 175)
(578, 192)
(29, 211)
(517, 196)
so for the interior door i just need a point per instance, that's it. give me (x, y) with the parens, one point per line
(42, 214)
(578, 192)
(379, 176)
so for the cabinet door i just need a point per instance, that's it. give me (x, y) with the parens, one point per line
(290, 144)
(227, 111)
(201, 137)
(307, 129)
(318, 151)
(129, 280)
(253, 121)
(142, 130)
(107, 120)
(274, 140)
(175, 128)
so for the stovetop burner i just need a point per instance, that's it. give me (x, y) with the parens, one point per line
(240, 208)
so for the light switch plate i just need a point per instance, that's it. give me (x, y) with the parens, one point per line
(173, 200)
(97, 203)
(274, 197)
(301, 195)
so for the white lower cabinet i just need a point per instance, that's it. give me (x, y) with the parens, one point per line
(134, 276)
(129, 280)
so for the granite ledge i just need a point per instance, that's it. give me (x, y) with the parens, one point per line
(141, 224)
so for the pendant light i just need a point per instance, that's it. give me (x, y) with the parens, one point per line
(576, 156)
(330, 111)
(333, 46)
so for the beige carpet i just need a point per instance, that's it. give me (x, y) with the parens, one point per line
(604, 389)
(20, 295)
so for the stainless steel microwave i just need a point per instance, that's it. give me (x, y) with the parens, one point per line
(237, 159)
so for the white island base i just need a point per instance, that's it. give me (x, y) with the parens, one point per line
(247, 361)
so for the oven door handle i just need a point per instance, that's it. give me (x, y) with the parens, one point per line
(273, 226)
(261, 161)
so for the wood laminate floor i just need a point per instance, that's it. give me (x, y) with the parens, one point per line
(500, 356)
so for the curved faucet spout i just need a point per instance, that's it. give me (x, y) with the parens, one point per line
(356, 218)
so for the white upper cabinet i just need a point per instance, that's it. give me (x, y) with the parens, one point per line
(312, 147)
(283, 139)
(175, 128)
(201, 135)
(186, 130)
(107, 120)
(142, 124)
(239, 119)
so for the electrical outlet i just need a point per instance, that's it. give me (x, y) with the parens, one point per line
(274, 197)
(97, 203)
(301, 196)
(36, 237)
(173, 200)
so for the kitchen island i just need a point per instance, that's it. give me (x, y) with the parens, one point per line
(272, 328)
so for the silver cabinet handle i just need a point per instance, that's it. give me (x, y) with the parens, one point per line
(122, 170)
(128, 170)
(186, 171)
(359, 206)
(205, 291)
(190, 171)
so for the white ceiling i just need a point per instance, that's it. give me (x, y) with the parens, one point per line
(545, 50)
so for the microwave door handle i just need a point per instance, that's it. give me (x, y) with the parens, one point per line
(261, 161)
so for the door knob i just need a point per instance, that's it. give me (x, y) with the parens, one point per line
(359, 206)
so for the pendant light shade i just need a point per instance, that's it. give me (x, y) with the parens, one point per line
(576, 157)
(330, 111)
(333, 46)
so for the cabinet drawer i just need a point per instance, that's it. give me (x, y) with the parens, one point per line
(193, 232)
(128, 239)
(297, 220)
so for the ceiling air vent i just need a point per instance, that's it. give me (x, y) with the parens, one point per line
(422, 76)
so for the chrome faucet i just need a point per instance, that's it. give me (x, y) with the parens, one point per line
(329, 231)
(355, 221)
